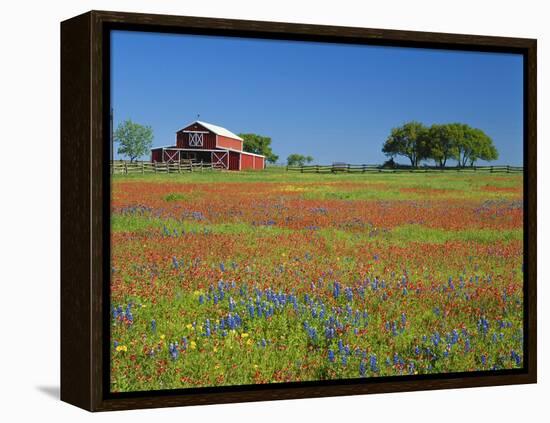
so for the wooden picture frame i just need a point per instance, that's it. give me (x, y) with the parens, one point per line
(85, 190)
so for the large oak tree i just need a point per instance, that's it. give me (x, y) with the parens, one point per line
(409, 141)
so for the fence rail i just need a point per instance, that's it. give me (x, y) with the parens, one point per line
(126, 168)
(370, 168)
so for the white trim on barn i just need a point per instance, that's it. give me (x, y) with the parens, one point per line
(218, 130)
(196, 139)
(244, 152)
(167, 157)
(222, 159)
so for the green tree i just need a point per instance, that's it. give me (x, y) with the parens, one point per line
(473, 144)
(441, 143)
(134, 140)
(298, 160)
(258, 144)
(409, 141)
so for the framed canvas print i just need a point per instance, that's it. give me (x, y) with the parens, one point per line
(258, 210)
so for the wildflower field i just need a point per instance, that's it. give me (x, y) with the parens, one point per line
(265, 277)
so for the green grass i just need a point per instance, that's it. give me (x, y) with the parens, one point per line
(147, 224)
(398, 235)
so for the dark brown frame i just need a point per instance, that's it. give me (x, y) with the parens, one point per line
(85, 203)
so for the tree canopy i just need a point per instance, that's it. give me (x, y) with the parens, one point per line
(298, 159)
(474, 145)
(258, 144)
(134, 140)
(440, 142)
(407, 140)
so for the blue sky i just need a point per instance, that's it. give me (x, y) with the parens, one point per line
(333, 102)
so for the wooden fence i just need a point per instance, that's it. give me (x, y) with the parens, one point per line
(125, 167)
(366, 168)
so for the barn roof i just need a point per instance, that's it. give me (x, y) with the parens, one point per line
(218, 130)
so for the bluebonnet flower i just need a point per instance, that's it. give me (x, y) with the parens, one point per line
(201, 299)
(484, 360)
(515, 357)
(153, 325)
(222, 267)
(331, 356)
(483, 325)
(373, 363)
(395, 358)
(362, 368)
(344, 360)
(173, 349)
(436, 338)
(128, 314)
(454, 337)
(451, 285)
(340, 346)
(251, 310)
(336, 290)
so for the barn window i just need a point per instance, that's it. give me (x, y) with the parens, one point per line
(195, 139)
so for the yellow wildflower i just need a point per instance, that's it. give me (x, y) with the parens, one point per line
(162, 336)
(244, 335)
(189, 326)
(122, 348)
(193, 345)
(249, 342)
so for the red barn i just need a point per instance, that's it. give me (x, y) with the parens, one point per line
(211, 144)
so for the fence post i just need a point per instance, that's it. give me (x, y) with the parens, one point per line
(155, 167)
(125, 168)
(202, 164)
